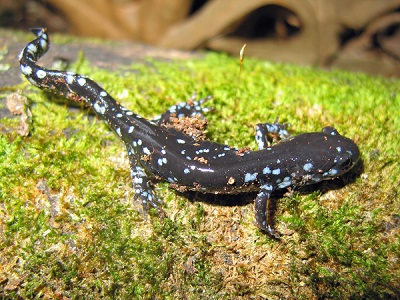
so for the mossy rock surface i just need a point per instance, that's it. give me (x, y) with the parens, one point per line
(69, 225)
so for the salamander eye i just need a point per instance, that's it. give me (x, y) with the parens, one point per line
(330, 130)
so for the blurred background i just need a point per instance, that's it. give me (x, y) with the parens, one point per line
(356, 35)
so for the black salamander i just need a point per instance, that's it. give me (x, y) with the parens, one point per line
(189, 163)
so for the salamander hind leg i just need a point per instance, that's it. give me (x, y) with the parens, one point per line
(190, 109)
(261, 210)
(266, 133)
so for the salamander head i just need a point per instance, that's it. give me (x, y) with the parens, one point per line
(345, 151)
(321, 156)
(338, 155)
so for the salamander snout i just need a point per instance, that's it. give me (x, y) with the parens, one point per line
(347, 156)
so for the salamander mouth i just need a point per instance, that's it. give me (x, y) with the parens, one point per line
(346, 164)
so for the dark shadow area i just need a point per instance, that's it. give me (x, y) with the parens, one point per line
(269, 21)
(196, 6)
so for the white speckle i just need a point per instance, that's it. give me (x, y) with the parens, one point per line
(221, 154)
(43, 42)
(339, 149)
(99, 109)
(27, 70)
(81, 81)
(204, 170)
(40, 74)
(138, 180)
(118, 131)
(250, 177)
(266, 170)
(268, 187)
(160, 161)
(103, 93)
(333, 172)
(278, 161)
(284, 184)
(118, 115)
(139, 142)
(308, 166)
(206, 150)
(186, 171)
(130, 130)
(31, 49)
(163, 151)
(146, 150)
(70, 79)
(164, 160)
(188, 158)
(276, 171)
(260, 144)
(129, 113)
(180, 141)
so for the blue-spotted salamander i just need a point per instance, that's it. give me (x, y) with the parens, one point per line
(193, 163)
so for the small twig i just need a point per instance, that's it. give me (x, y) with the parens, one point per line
(241, 53)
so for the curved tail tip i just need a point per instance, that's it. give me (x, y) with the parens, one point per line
(38, 31)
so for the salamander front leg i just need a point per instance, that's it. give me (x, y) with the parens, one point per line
(142, 188)
(184, 109)
(264, 131)
(261, 208)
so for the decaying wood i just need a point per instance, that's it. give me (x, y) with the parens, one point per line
(144, 20)
(319, 27)
(358, 54)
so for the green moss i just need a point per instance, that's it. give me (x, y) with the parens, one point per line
(69, 225)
